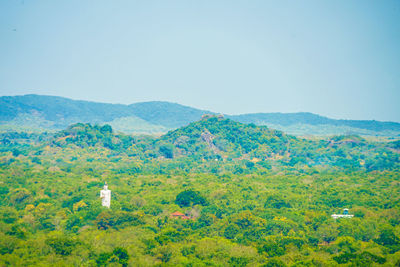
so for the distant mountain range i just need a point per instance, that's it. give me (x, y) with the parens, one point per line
(44, 113)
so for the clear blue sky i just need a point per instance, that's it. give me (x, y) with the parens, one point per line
(336, 58)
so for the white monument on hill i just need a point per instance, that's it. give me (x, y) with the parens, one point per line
(105, 196)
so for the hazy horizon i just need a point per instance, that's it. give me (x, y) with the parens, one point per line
(336, 59)
(200, 108)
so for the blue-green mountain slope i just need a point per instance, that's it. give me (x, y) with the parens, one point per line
(38, 112)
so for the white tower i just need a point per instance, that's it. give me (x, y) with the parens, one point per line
(105, 196)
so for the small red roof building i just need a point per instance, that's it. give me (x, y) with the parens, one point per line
(177, 214)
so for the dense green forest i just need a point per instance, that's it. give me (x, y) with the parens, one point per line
(247, 195)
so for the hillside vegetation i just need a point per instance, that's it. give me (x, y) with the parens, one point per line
(44, 113)
(248, 196)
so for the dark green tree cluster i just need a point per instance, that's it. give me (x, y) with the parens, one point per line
(189, 198)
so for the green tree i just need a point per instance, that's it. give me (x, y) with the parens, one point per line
(189, 197)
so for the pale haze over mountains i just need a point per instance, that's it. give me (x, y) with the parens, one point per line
(40, 113)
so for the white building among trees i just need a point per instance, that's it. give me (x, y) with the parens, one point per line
(344, 215)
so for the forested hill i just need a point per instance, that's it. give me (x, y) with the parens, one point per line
(215, 138)
(225, 137)
(38, 112)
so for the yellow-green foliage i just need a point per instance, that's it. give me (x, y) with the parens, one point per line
(240, 209)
